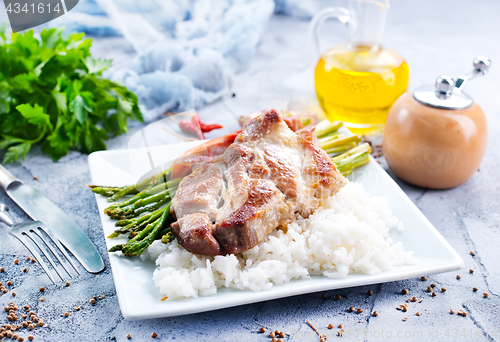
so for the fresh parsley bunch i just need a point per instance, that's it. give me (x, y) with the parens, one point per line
(52, 93)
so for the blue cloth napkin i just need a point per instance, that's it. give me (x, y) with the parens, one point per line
(188, 51)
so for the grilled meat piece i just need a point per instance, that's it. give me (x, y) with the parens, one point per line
(267, 178)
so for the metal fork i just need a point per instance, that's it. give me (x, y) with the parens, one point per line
(26, 233)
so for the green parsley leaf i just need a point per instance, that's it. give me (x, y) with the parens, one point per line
(52, 93)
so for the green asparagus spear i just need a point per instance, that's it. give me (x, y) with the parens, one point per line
(326, 127)
(340, 141)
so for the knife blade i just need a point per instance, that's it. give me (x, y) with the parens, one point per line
(63, 227)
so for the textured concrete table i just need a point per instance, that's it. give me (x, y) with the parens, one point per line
(436, 38)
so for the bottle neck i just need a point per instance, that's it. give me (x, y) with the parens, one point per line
(367, 23)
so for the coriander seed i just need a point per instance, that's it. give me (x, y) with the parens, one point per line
(475, 289)
(359, 310)
(471, 271)
(486, 295)
(330, 326)
(338, 297)
(458, 277)
(443, 289)
(404, 291)
(370, 292)
(262, 330)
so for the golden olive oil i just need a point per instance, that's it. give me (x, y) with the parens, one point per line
(359, 85)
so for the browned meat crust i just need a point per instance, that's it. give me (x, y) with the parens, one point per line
(267, 178)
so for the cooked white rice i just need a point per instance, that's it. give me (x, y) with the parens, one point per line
(351, 235)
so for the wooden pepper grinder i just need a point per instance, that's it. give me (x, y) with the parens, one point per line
(436, 136)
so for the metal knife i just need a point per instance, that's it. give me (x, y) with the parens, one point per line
(40, 208)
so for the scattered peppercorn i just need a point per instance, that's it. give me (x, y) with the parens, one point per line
(340, 326)
(127, 336)
(404, 291)
(452, 311)
(471, 270)
(351, 309)
(33, 260)
(433, 294)
(20, 339)
(475, 289)
(77, 308)
(13, 294)
(404, 319)
(42, 299)
(359, 310)
(66, 314)
(338, 297)
(30, 337)
(458, 276)
(35, 177)
(67, 283)
(323, 296)
(433, 285)
(16, 261)
(330, 326)
(9, 283)
(408, 300)
(418, 314)
(2, 270)
(472, 253)
(25, 270)
(370, 292)
(42, 289)
(443, 289)
(41, 323)
(271, 334)
(414, 299)
(429, 289)
(92, 301)
(154, 335)
(486, 295)
(262, 330)
(28, 258)
(281, 334)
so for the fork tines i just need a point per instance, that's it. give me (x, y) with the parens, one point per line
(31, 234)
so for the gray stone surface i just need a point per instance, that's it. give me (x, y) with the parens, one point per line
(436, 37)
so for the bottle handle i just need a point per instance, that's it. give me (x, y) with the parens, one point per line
(339, 13)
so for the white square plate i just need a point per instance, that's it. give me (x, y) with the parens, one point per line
(139, 299)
